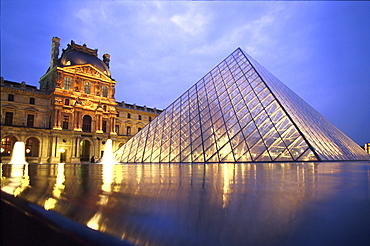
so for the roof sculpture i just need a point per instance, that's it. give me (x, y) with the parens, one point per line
(239, 112)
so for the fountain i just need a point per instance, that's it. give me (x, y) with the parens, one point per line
(18, 154)
(108, 156)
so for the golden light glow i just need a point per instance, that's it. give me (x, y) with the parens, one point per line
(228, 173)
(93, 223)
(107, 177)
(50, 203)
(62, 150)
(59, 184)
(19, 180)
(118, 177)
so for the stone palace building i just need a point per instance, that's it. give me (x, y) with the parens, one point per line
(72, 114)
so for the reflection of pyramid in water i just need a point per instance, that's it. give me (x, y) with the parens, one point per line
(239, 112)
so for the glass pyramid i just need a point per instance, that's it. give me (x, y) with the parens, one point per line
(239, 112)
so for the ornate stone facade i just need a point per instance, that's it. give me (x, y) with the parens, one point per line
(72, 114)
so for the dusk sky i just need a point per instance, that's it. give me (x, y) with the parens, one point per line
(320, 50)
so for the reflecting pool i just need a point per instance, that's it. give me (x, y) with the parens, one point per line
(202, 204)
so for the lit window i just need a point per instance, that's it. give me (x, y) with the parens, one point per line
(32, 147)
(30, 120)
(6, 146)
(32, 100)
(104, 91)
(11, 97)
(67, 83)
(87, 87)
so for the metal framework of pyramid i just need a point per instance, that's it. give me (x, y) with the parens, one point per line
(239, 112)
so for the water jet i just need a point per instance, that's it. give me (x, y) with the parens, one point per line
(108, 156)
(18, 154)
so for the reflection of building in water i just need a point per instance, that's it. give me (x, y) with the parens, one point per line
(18, 180)
(107, 178)
(73, 112)
(140, 202)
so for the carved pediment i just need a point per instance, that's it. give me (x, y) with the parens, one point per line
(86, 70)
(68, 110)
(88, 103)
(9, 107)
(32, 109)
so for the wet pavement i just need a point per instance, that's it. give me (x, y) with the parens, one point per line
(198, 204)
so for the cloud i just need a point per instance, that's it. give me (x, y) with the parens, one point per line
(192, 22)
(251, 33)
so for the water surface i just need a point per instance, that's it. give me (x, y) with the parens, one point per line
(205, 204)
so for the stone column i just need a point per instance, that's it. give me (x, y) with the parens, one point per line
(99, 123)
(113, 126)
(55, 120)
(59, 119)
(77, 121)
(77, 150)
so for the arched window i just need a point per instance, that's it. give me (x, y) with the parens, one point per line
(86, 124)
(7, 144)
(104, 91)
(86, 87)
(67, 83)
(32, 147)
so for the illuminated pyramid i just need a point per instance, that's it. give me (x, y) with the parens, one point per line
(239, 112)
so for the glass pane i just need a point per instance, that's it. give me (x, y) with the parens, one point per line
(308, 155)
(225, 153)
(257, 149)
(264, 157)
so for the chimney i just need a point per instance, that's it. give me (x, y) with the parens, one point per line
(55, 43)
(106, 59)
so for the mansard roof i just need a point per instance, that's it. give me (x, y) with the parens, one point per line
(79, 55)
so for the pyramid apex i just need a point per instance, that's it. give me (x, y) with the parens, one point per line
(239, 112)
